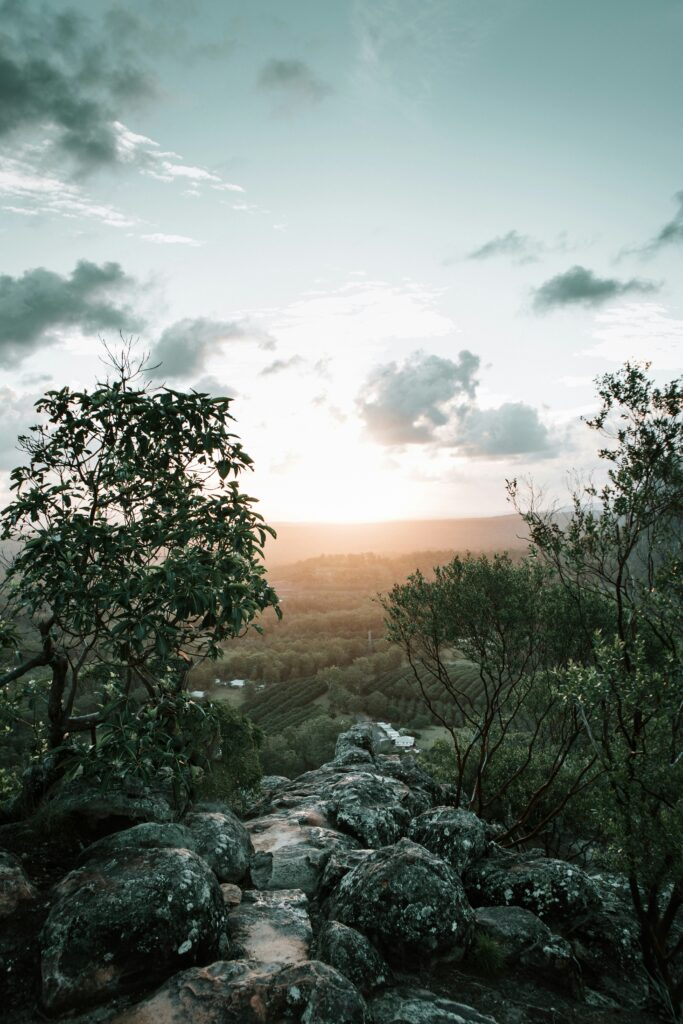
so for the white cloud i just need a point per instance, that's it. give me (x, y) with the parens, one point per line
(48, 194)
(165, 165)
(639, 331)
(162, 239)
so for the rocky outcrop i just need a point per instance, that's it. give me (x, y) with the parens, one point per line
(457, 836)
(118, 923)
(407, 901)
(354, 956)
(292, 850)
(238, 992)
(15, 887)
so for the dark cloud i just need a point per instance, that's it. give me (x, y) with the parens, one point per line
(580, 286)
(58, 70)
(185, 346)
(521, 248)
(293, 82)
(210, 385)
(512, 429)
(671, 233)
(282, 364)
(34, 305)
(404, 404)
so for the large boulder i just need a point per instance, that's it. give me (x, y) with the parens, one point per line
(220, 838)
(238, 992)
(119, 923)
(557, 892)
(15, 887)
(407, 901)
(375, 809)
(456, 835)
(354, 956)
(364, 736)
(96, 810)
(419, 1006)
(525, 941)
(149, 835)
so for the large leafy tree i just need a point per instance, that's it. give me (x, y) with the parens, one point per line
(138, 554)
(622, 543)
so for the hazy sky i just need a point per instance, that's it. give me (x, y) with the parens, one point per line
(404, 235)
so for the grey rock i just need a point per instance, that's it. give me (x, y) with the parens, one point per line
(554, 890)
(407, 901)
(238, 992)
(376, 810)
(457, 835)
(339, 864)
(271, 927)
(148, 836)
(290, 853)
(354, 956)
(15, 887)
(222, 841)
(363, 736)
(97, 809)
(523, 939)
(118, 924)
(419, 1006)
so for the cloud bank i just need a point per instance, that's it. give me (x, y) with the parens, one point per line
(293, 82)
(184, 348)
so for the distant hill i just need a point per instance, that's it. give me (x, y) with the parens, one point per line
(298, 541)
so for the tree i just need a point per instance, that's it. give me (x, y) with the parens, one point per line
(515, 626)
(621, 543)
(138, 553)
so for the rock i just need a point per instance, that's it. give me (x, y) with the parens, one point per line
(271, 927)
(407, 901)
(222, 841)
(291, 854)
(232, 894)
(363, 736)
(15, 887)
(269, 783)
(339, 864)
(456, 835)
(557, 892)
(376, 810)
(353, 955)
(148, 836)
(99, 810)
(119, 923)
(607, 945)
(418, 1006)
(237, 992)
(523, 939)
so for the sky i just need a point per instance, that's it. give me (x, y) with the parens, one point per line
(404, 237)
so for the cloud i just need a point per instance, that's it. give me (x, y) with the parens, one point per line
(404, 404)
(184, 347)
(639, 331)
(282, 364)
(161, 239)
(522, 248)
(16, 415)
(431, 401)
(580, 286)
(45, 193)
(511, 429)
(210, 385)
(56, 70)
(672, 232)
(40, 301)
(293, 82)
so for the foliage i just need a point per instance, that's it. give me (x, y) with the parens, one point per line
(485, 956)
(621, 543)
(138, 555)
(235, 770)
(514, 622)
(301, 748)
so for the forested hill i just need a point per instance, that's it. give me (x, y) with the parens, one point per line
(298, 541)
